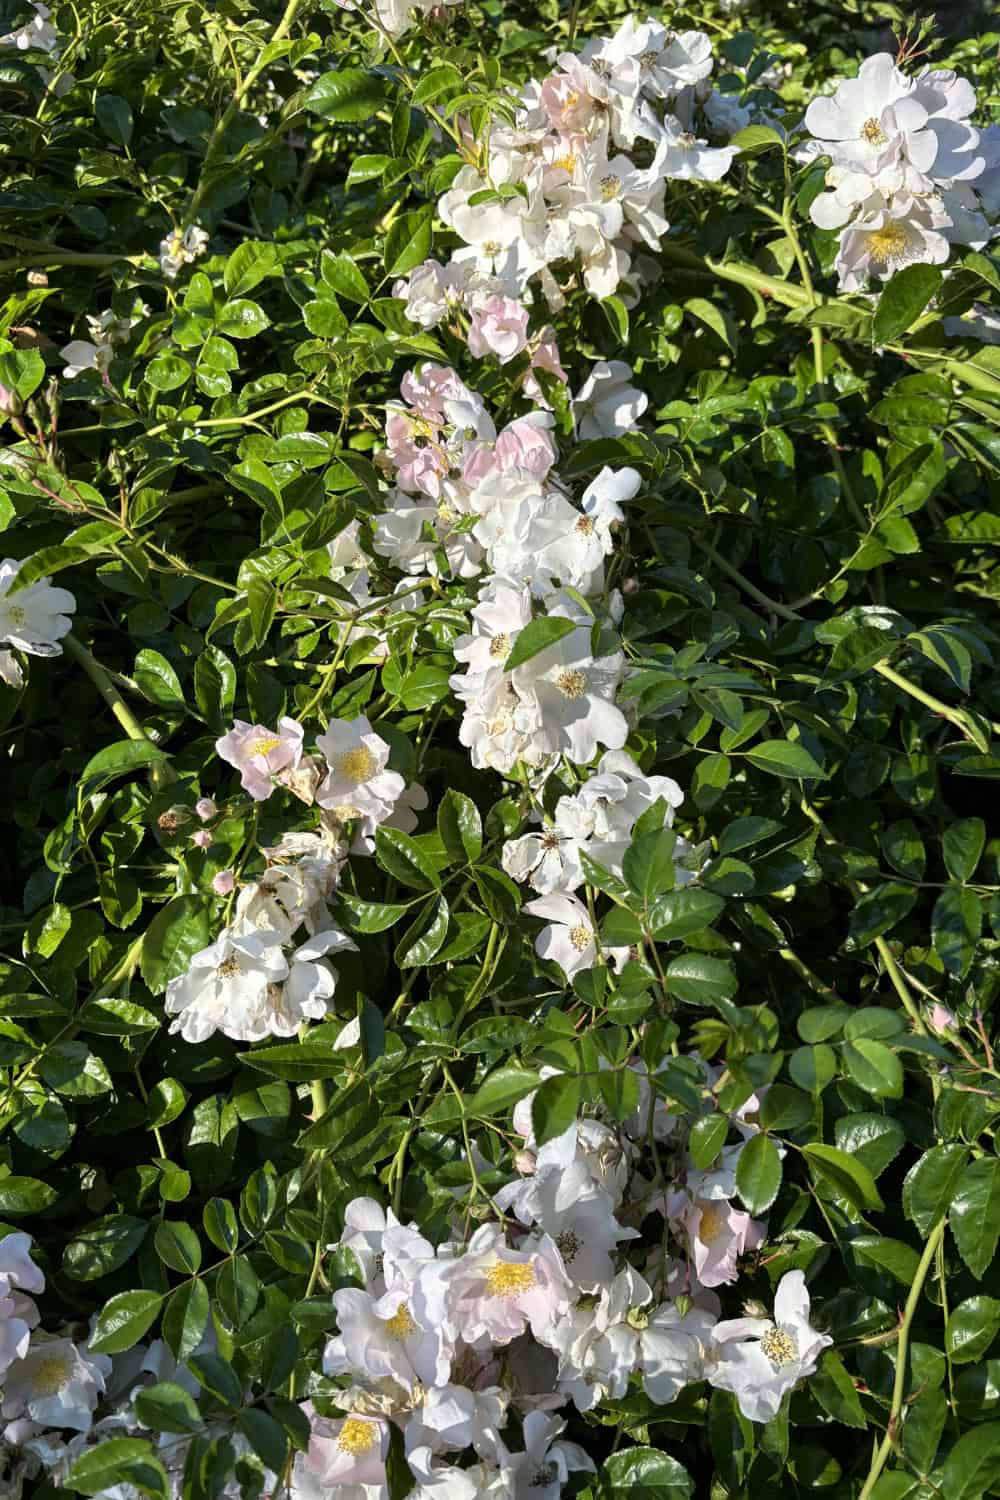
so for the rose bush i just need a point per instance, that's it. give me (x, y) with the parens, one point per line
(499, 682)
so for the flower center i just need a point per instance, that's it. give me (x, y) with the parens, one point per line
(491, 247)
(572, 683)
(888, 243)
(567, 163)
(544, 1475)
(647, 59)
(265, 744)
(780, 1347)
(50, 1375)
(401, 1324)
(229, 968)
(357, 765)
(872, 132)
(580, 937)
(568, 1244)
(601, 68)
(687, 140)
(15, 614)
(357, 1436)
(500, 644)
(713, 1221)
(507, 1278)
(550, 839)
(611, 186)
(585, 526)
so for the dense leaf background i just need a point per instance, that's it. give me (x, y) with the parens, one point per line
(813, 571)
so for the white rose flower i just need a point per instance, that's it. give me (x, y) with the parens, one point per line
(35, 619)
(760, 1360)
(606, 405)
(57, 1383)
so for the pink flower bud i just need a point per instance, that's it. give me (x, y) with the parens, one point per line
(202, 838)
(524, 1161)
(205, 808)
(223, 883)
(941, 1018)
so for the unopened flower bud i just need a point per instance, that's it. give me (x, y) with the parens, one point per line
(524, 1162)
(941, 1018)
(205, 808)
(202, 838)
(630, 585)
(223, 883)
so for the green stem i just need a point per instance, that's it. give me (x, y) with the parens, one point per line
(160, 774)
(216, 141)
(888, 1443)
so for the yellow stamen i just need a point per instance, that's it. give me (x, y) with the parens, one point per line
(581, 937)
(357, 1436)
(50, 1375)
(872, 132)
(265, 744)
(401, 1324)
(507, 1278)
(713, 1221)
(572, 683)
(357, 765)
(888, 243)
(779, 1347)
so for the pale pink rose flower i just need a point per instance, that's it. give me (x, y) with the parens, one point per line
(545, 356)
(259, 753)
(718, 1234)
(500, 327)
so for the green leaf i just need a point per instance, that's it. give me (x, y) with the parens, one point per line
(25, 1195)
(177, 932)
(972, 1327)
(874, 1068)
(846, 1177)
(879, 911)
(220, 1224)
(708, 1136)
(185, 1318)
(956, 923)
(758, 1173)
(813, 1067)
(555, 1106)
(899, 1259)
(352, 1116)
(680, 913)
(754, 140)
(962, 845)
(835, 1392)
(265, 1437)
(104, 1246)
(347, 94)
(648, 865)
(158, 681)
(369, 916)
(248, 265)
(902, 300)
(701, 980)
(118, 1461)
(408, 242)
(876, 1140)
(501, 1091)
(124, 1320)
(114, 117)
(424, 937)
(167, 1407)
(403, 859)
(178, 1247)
(297, 1062)
(785, 758)
(460, 827)
(342, 275)
(119, 759)
(975, 1214)
(643, 1474)
(242, 319)
(972, 1468)
(537, 636)
(931, 1182)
